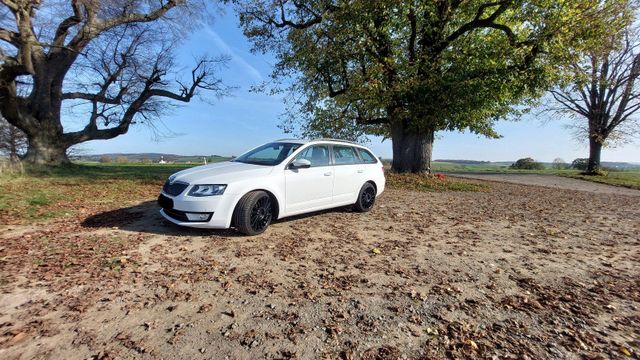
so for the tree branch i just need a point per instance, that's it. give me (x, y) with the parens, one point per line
(569, 103)
(372, 121)
(128, 18)
(63, 29)
(10, 37)
(480, 22)
(201, 77)
(94, 26)
(10, 4)
(93, 97)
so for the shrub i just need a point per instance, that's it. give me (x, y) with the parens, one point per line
(105, 159)
(122, 160)
(559, 164)
(527, 164)
(580, 164)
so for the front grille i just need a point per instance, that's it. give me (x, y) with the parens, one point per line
(174, 189)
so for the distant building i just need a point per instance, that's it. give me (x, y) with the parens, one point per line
(162, 160)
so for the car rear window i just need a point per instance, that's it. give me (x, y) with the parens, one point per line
(367, 157)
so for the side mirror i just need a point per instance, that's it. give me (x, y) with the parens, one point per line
(300, 164)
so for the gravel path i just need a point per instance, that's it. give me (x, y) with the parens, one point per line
(547, 180)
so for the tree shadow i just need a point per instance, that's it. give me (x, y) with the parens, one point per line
(146, 218)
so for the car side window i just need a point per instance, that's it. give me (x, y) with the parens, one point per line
(367, 157)
(318, 155)
(343, 155)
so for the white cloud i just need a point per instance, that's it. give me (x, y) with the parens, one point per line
(224, 47)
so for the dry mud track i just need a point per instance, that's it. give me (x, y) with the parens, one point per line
(548, 180)
(516, 272)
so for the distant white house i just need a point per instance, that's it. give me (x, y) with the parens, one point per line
(162, 160)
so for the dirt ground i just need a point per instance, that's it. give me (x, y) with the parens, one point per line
(515, 272)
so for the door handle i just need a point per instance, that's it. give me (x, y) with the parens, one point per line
(327, 173)
(360, 171)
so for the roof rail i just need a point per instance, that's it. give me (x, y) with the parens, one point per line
(336, 140)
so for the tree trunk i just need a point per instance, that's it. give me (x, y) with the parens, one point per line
(595, 149)
(411, 148)
(47, 150)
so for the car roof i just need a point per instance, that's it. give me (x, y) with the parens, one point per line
(322, 140)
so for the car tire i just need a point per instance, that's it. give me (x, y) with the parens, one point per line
(366, 198)
(254, 213)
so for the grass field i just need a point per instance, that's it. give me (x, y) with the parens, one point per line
(42, 193)
(626, 178)
(630, 179)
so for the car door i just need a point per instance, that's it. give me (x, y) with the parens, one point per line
(349, 173)
(309, 188)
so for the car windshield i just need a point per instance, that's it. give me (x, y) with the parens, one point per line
(268, 154)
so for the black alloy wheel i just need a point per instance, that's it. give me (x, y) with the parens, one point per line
(254, 213)
(366, 198)
(261, 214)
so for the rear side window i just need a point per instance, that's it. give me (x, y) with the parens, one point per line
(367, 157)
(344, 155)
(318, 155)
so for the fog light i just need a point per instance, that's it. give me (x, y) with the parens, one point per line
(198, 217)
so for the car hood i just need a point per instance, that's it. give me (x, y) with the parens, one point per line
(220, 173)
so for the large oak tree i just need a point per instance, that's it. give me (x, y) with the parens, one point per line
(406, 69)
(112, 58)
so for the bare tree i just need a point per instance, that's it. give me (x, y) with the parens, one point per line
(603, 93)
(110, 61)
(13, 142)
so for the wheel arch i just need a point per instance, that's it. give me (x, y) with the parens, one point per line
(271, 194)
(372, 182)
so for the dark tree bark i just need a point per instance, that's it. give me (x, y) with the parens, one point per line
(412, 149)
(107, 47)
(595, 150)
(47, 148)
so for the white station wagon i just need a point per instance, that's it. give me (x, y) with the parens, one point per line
(272, 181)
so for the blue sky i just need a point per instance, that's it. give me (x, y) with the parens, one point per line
(246, 119)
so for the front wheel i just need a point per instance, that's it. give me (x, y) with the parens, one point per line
(366, 198)
(254, 213)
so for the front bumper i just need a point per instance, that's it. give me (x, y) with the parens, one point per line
(204, 212)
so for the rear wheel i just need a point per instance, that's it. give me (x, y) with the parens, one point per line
(366, 198)
(254, 213)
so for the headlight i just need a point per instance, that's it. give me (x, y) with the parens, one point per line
(207, 190)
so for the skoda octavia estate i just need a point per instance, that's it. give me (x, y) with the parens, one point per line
(272, 181)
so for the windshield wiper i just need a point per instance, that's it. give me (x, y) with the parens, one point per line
(253, 162)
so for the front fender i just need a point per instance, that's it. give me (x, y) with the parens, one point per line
(273, 190)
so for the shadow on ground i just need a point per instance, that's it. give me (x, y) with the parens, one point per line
(146, 218)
